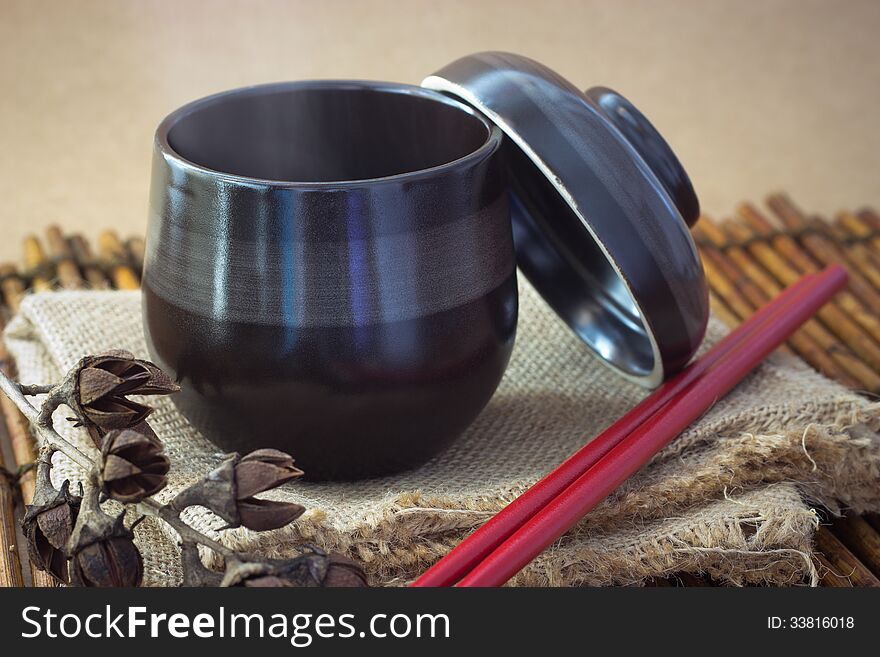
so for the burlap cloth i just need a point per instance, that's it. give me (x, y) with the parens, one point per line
(732, 497)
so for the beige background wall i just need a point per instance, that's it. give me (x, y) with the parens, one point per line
(754, 96)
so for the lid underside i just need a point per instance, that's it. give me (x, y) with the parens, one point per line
(597, 233)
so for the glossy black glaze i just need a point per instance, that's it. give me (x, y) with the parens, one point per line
(330, 270)
(642, 134)
(597, 232)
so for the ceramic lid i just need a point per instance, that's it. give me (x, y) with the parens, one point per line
(601, 209)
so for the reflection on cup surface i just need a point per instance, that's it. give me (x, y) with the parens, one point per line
(330, 270)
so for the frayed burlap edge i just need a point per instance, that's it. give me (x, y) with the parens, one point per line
(658, 523)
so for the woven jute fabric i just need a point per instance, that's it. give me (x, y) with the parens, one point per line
(733, 496)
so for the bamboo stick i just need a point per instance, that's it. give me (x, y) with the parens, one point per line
(873, 519)
(791, 251)
(65, 264)
(707, 232)
(710, 231)
(781, 242)
(826, 243)
(723, 287)
(82, 253)
(22, 444)
(860, 253)
(842, 561)
(832, 315)
(828, 577)
(10, 563)
(859, 225)
(135, 248)
(12, 288)
(869, 258)
(117, 259)
(723, 277)
(870, 216)
(861, 539)
(37, 264)
(724, 313)
(872, 219)
(831, 252)
(21, 441)
(720, 282)
(749, 290)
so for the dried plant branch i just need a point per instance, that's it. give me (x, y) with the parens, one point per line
(44, 428)
(187, 534)
(34, 389)
(49, 436)
(76, 541)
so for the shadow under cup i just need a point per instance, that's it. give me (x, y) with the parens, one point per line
(330, 271)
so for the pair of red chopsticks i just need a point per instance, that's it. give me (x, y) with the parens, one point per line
(522, 530)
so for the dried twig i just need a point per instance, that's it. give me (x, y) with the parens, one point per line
(76, 541)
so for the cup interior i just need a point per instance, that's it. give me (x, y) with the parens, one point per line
(324, 132)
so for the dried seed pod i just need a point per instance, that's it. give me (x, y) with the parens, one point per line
(257, 472)
(229, 491)
(133, 465)
(48, 523)
(102, 550)
(105, 380)
(263, 515)
(262, 470)
(313, 569)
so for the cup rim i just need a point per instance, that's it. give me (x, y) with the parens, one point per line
(162, 145)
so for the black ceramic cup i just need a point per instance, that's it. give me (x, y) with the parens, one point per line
(330, 270)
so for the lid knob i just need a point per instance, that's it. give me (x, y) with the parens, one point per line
(643, 136)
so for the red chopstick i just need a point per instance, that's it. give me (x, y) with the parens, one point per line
(566, 509)
(495, 531)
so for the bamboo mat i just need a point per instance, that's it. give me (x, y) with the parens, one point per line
(748, 259)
